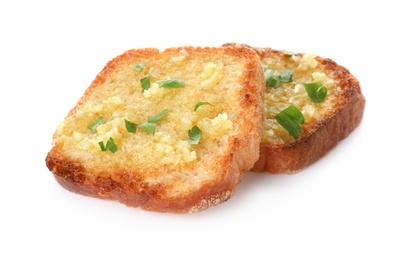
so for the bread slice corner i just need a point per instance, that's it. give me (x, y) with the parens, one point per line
(326, 122)
(166, 131)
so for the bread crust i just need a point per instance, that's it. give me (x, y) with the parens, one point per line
(320, 137)
(136, 193)
(130, 188)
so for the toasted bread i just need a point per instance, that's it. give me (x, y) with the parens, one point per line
(107, 146)
(325, 123)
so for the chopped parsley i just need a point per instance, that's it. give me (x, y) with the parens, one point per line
(275, 111)
(287, 75)
(201, 103)
(289, 53)
(316, 91)
(110, 146)
(138, 67)
(194, 135)
(171, 83)
(130, 126)
(156, 118)
(148, 127)
(273, 81)
(291, 119)
(96, 123)
(151, 123)
(145, 82)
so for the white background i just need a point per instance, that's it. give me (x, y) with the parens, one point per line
(349, 205)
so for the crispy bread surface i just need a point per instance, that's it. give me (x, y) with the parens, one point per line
(161, 171)
(326, 123)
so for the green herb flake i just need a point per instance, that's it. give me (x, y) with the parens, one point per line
(148, 127)
(171, 83)
(316, 91)
(138, 67)
(156, 118)
(287, 75)
(201, 103)
(289, 53)
(273, 110)
(145, 82)
(273, 81)
(96, 123)
(194, 135)
(110, 146)
(130, 126)
(291, 119)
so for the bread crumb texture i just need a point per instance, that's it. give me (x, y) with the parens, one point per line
(306, 70)
(216, 78)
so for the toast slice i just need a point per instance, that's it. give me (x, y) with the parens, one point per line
(332, 110)
(166, 131)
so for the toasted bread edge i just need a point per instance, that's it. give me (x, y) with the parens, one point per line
(244, 152)
(326, 134)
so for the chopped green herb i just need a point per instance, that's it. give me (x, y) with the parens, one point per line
(273, 110)
(316, 91)
(289, 53)
(270, 80)
(145, 82)
(287, 75)
(130, 126)
(291, 119)
(156, 118)
(110, 146)
(273, 81)
(171, 83)
(201, 103)
(138, 67)
(151, 123)
(148, 127)
(194, 135)
(96, 123)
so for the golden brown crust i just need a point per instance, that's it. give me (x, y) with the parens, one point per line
(131, 188)
(295, 156)
(136, 193)
(322, 136)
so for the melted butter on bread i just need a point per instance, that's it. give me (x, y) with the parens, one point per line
(306, 70)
